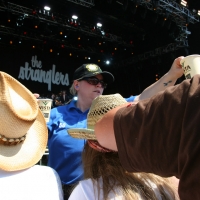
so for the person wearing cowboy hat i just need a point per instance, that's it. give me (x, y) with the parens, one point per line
(89, 81)
(104, 175)
(23, 140)
(159, 135)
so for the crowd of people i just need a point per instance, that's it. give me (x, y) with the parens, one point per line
(111, 147)
(89, 81)
(59, 98)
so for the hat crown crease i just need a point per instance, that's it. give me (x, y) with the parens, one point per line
(101, 105)
(16, 107)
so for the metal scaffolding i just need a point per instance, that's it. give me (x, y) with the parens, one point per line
(86, 3)
(12, 32)
(177, 13)
(62, 22)
(151, 54)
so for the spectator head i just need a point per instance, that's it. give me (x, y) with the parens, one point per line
(90, 70)
(23, 132)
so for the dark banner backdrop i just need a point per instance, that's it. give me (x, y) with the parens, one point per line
(46, 73)
(40, 72)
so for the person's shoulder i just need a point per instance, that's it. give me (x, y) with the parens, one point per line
(91, 185)
(42, 168)
(43, 171)
(59, 109)
(84, 190)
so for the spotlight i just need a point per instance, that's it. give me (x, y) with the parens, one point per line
(184, 3)
(198, 12)
(107, 62)
(74, 17)
(47, 8)
(99, 25)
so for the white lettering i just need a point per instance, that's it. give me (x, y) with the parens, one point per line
(50, 77)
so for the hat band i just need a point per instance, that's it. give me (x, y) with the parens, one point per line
(11, 141)
(96, 146)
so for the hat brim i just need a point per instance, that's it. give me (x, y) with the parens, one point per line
(82, 133)
(28, 153)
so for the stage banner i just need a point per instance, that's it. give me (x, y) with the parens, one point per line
(40, 72)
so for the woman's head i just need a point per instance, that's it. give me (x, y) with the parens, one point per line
(133, 185)
(90, 87)
(89, 80)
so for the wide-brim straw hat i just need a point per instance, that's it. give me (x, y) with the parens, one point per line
(100, 106)
(23, 130)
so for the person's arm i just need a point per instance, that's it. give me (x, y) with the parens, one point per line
(105, 125)
(169, 79)
(159, 135)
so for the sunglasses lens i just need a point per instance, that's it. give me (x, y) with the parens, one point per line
(95, 81)
(104, 85)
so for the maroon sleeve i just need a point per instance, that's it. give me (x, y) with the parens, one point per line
(161, 135)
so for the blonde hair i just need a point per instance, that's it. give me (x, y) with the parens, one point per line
(72, 90)
(134, 186)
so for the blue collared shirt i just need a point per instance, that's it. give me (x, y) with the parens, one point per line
(64, 151)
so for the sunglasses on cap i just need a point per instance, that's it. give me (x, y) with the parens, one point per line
(94, 81)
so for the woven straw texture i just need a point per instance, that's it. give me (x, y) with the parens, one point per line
(19, 116)
(100, 106)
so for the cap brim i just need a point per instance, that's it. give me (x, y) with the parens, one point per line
(28, 153)
(108, 77)
(82, 133)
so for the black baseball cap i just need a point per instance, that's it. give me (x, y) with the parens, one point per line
(88, 70)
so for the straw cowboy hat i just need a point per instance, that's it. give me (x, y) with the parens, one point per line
(100, 106)
(23, 130)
